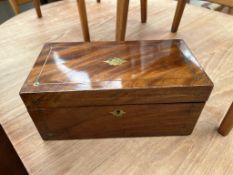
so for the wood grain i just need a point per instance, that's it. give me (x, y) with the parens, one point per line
(209, 35)
(228, 3)
(149, 86)
(163, 71)
(99, 122)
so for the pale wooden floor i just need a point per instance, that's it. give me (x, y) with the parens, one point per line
(209, 35)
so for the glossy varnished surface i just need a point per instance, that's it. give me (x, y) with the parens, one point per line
(78, 86)
(99, 122)
(78, 74)
(147, 64)
(209, 35)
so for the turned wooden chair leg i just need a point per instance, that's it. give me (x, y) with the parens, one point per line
(178, 15)
(227, 123)
(83, 19)
(143, 11)
(121, 22)
(14, 6)
(36, 4)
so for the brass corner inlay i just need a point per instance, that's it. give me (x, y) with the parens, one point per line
(36, 83)
(115, 61)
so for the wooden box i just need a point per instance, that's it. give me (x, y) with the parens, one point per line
(115, 89)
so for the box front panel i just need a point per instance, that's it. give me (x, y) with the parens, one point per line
(117, 121)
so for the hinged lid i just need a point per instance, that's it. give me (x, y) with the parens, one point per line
(101, 73)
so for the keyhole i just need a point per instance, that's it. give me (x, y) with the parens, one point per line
(118, 113)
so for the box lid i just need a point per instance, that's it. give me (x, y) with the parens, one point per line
(100, 73)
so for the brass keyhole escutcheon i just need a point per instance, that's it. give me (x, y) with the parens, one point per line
(118, 113)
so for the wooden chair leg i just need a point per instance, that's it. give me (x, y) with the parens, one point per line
(36, 4)
(143, 11)
(14, 6)
(121, 22)
(83, 19)
(227, 123)
(178, 15)
(10, 162)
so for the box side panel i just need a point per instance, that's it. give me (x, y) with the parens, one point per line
(116, 97)
(116, 121)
